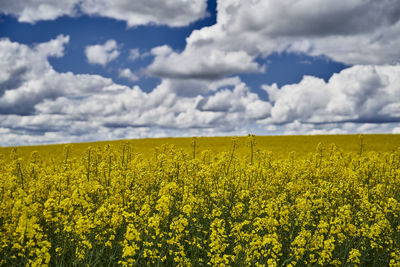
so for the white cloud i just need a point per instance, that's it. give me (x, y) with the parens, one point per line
(348, 31)
(162, 107)
(137, 12)
(298, 128)
(40, 105)
(130, 112)
(35, 10)
(134, 54)
(102, 54)
(396, 130)
(361, 94)
(128, 74)
(16, 57)
(27, 78)
(239, 100)
(141, 12)
(208, 64)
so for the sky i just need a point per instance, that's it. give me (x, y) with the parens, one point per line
(88, 70)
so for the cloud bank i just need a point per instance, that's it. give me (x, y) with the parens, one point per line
(201, 92)
(352, 32)
(40, 105)
(138, 12)
(360, 94)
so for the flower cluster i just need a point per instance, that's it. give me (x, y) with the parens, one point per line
(111, 206)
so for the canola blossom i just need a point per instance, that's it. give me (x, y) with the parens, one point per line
(111, 206)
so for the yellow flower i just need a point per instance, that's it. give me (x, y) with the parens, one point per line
(354, 255)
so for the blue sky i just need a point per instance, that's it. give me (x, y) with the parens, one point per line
(93, 70)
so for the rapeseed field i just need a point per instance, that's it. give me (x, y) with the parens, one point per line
(247, 201)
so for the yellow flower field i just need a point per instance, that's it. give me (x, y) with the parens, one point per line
(249, 201)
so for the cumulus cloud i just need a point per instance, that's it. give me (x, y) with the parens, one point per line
(208, 64)
(352, 32)
(138, 12)
(134, 54)
(313, 17)
(102, 54)
(128, 74)
(40, 105)
(32, 11)
(16, 57)
(239, 100)
(163, 107)
(132, 113)
(27, 78)
(141, 12)
(360, 94)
